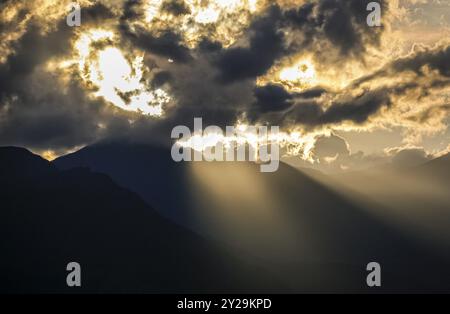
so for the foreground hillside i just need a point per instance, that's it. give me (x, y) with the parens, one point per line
(313, 237)
(49, 218)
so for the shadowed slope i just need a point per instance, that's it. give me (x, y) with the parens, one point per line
(285, 221)
(49, 218)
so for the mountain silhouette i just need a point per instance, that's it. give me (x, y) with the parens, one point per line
(437, 169)
(287, 222)
(49, 218)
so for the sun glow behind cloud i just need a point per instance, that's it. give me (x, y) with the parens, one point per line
(292, 143)
(100, 45)
(221, 20)
(117, 79)
(301, 74)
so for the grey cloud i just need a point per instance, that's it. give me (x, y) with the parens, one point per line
(32, 49)
(168, 43)
(272, 98)
(342, 23)
(266, 45)
(36, 110)
(436, 59)
(40, 120)
(330, 146)
(408, 157)
(312, 113)
(210, 81)
(175, 7)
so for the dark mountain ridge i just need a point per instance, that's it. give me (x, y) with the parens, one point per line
(49, 218)
(287, 222)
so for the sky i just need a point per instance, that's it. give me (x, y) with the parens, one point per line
(345, 95)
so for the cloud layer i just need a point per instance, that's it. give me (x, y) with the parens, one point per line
(222, 62)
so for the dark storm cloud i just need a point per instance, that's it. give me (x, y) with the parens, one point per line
(208, 46)
(198, 94)
(435, 59)
(161, 78)
(35, 47)
(38, 111)
(32, 49)
(96, 14)
(167, 43)
(313, 113)
(438, 59)
(342, 23)
(131, 11)
(359, 109)
(266, 45)
(272, 98)
(200, 80)
(175, 7)
(311, 93)
(47, 119)
(47, 114)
